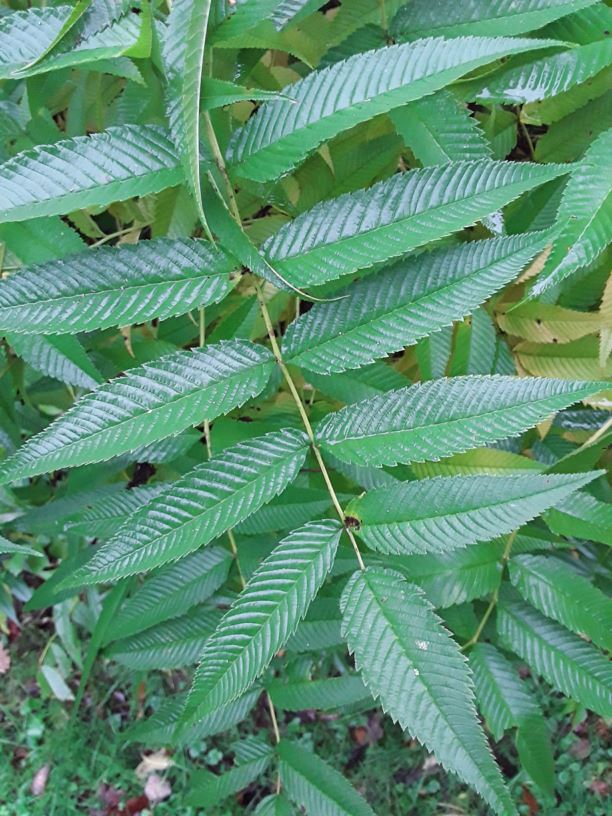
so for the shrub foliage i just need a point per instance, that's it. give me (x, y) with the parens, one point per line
(307, 332)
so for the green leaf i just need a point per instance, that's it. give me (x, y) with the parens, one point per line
(294, 507)
(568, 663)
(435, 515)
(582, 516)
(263, 617)
(62, 358)
(505, 702)
(274, 805)
(560, 592)
(586, 212)
(170, 645)
(531, 81)
(424, 18)
(313, 785)
(503, 698)
(242, 16)
(396, 307)
(358, 384)
(114, 287)
(183, 53)
(359, 230)
(568, 139)
(89, 47)
(454, 577)
(435, 419)
(87, 171)
(9, 548)
(408, 660)
(107, 613)
(207, 789)
(26, 35)
(329, 693)
(75, 15)
(102, 517)
(158, 729)
(201, 505)
(151, 402)
(439, 129)
(172, 591)
(334, 99)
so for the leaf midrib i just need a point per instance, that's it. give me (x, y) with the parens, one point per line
(432, 697)
(296, 257)
(456, 514)
(450, 423)
(366, 320)
(113, 292)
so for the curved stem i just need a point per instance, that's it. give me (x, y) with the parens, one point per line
(494, 598)
(305, 420)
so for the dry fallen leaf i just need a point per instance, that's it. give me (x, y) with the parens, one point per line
(157, 761)
(39, 783)
(5, 660)
(157, 789)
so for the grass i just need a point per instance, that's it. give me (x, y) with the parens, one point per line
(395, 774)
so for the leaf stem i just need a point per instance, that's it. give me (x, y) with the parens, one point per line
(305, 420)
(494, 598)
(202, 339)
(220, 163)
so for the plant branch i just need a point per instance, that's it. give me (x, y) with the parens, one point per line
(305, 420)
(494, 598)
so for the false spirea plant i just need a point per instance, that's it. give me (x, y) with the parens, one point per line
(307, 331)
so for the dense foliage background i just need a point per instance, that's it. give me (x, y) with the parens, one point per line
(307, 321)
